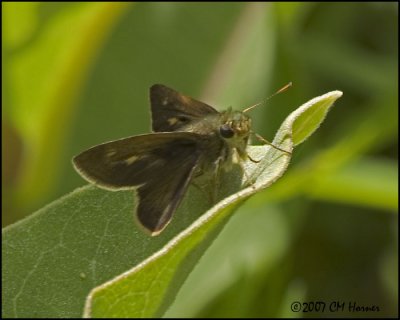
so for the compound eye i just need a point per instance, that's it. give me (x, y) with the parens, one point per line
(226, 131)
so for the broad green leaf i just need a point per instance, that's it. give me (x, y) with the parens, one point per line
(147, 289)
(55, 257)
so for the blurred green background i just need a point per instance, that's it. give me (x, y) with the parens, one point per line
(77, 74)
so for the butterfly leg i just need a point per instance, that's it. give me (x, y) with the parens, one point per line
(202, 186)
(269, 143)
(242, 156)
(216, 180)
(249, 181)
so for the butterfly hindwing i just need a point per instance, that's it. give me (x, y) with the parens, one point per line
(171, 110)
(159, 197)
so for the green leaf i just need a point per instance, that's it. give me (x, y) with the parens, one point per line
(310, 116)
(55, 257)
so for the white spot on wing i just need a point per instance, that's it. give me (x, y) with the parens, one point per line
(111, 152)
(172, 121)
(131, 160)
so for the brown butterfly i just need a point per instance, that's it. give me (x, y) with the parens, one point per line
(189, 139)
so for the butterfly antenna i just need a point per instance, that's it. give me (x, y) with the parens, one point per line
(279, 91)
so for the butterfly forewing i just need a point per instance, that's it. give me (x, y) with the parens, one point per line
(147, 162)
(172, 110)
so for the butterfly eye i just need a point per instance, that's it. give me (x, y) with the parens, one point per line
(226, 131)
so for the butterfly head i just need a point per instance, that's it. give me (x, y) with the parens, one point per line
(235, 125)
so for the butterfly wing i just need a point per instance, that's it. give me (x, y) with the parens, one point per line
(171, 110)
(160, 166)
